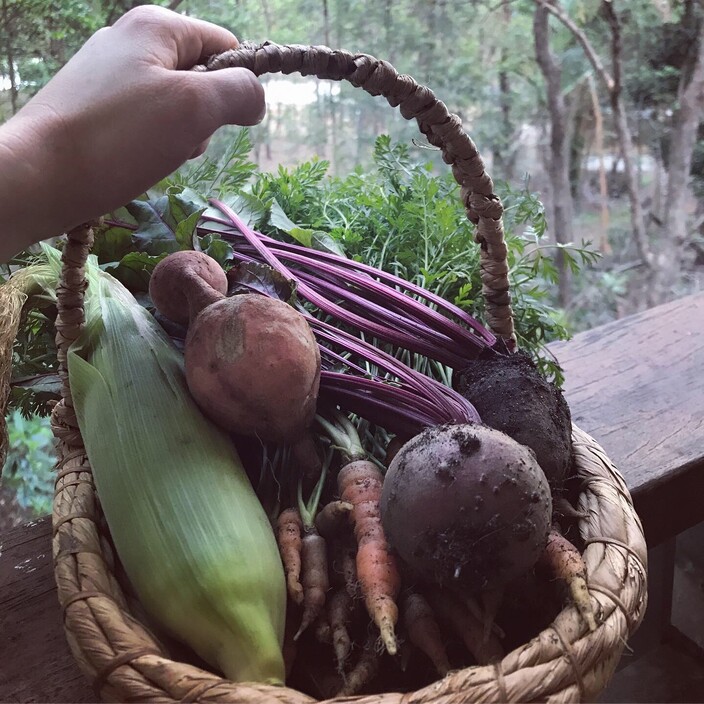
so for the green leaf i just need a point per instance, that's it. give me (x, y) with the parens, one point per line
(279, 219)
(40, 383)
(154, 234)
(247, 205)
(216, 247)
(302, 235)
(134, 270)
(112, 244)
(252, 276)
(183, 204)
(186, 228)
(323, 242)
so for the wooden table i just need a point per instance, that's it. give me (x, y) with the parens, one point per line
(636, 385)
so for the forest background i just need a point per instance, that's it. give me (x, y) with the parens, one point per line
(593, 106)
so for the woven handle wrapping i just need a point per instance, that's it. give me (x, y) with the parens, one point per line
(441, 128)
(565, 662)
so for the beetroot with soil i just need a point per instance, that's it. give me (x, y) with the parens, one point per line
(510, 395)
(466, 505)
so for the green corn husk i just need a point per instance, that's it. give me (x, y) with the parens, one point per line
(191, 533)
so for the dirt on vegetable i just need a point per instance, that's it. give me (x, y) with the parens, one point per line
(479, 507)
(510, 395)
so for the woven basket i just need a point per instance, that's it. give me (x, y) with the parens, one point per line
(565, 662)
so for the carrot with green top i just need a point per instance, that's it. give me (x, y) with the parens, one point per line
(359, 483)
(314, 559)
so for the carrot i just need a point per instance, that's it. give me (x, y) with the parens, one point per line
(332, 518)
(288, 536)
(339, 612)
(323, 633)
(345, 564)
(423, 630)
(565, 562)
(364, 670)
(359, 483)
(467, 626)
(314, 578)
(562, 507)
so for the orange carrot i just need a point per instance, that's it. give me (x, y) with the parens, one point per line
(359, 483)
(423, 630)
(288, 535)
(565, 562)
(332, 518)
(314, 578)
(467, 626)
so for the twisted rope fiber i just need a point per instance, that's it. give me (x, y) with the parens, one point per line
(441, 129)
(125, 660)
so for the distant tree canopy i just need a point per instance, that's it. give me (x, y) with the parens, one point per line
(628, 75)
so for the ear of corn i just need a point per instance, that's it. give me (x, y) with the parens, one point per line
(187, 525)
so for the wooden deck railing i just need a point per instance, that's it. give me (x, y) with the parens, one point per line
(636, 385)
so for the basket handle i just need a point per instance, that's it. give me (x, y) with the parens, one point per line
(441, 128)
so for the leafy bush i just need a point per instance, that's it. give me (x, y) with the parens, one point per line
(30, 461)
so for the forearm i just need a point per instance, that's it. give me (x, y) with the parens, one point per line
(122, 114)
(28, 188)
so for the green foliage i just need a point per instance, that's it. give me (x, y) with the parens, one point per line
(400, 216)
(30, 461)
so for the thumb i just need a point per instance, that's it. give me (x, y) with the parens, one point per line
(235, 95)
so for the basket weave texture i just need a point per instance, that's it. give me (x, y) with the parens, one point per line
(564, 663)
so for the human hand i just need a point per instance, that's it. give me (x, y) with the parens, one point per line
(123, 113)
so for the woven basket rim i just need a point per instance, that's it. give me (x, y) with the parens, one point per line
(565, 662)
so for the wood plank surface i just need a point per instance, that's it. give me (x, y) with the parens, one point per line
(636, 385)
(35, 662)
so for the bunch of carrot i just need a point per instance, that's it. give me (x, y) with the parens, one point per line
(356, 617)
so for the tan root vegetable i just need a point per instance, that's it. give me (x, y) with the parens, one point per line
(566, 562)
(253, 365)
(288, 536)
(252, 362)
(184, 283)
(423, 630)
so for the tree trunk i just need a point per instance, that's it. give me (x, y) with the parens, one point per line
(615, 92)
(10, 55)
(558, 168)
(326, 23)
(604, 244)
(684, 137)
(625, 138)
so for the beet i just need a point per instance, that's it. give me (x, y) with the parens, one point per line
(185, 282)
(510, 395)
(466, 505)
(253, 366)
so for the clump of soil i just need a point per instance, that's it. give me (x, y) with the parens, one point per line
(511, 395)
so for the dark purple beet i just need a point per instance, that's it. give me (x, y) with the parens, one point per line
(466, 505)
(510, 395)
